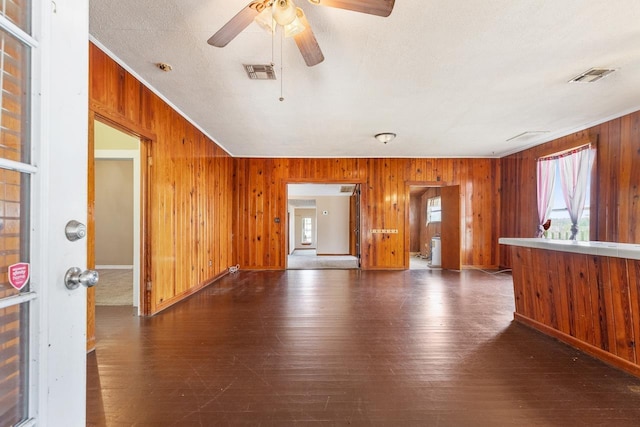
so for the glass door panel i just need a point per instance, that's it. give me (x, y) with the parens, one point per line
(14, 226)
(14, 342)
(15, 176)
(18, 12)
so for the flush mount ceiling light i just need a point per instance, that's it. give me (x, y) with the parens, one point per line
(385, 137)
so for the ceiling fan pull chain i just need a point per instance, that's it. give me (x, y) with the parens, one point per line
(273, 42)
(281, 61)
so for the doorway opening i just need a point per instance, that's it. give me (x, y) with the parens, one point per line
(434, 227)
(117, 216)
(323, 229)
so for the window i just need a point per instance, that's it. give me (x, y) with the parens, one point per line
(306, 231)
(563, 191)
(561, 221)
(434, 210)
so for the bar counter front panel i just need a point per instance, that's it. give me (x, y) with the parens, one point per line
(583, 293)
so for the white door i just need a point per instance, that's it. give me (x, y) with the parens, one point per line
(43, 170)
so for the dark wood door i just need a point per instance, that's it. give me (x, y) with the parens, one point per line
(450, 234)
(354, 224)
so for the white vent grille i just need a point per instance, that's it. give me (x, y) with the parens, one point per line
(592, 75)
(260, 72)
(524, 136)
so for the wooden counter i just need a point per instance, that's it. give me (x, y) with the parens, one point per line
(586, 294)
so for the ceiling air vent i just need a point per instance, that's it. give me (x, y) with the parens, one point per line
(524, 136)
(347, 188)
(592, 75)
(260, 72)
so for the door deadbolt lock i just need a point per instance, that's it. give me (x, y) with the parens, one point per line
(76, 277)
(75, 230)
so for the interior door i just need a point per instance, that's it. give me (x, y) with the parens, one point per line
(352, 225)
(357, 226)
(43, 185)
(450, 227)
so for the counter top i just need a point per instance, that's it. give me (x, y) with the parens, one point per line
(610, 249)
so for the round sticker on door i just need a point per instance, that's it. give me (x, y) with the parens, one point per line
(19, 275)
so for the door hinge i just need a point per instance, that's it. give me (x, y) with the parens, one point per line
(149, 285)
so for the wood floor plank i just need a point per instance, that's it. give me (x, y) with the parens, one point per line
(345, 347)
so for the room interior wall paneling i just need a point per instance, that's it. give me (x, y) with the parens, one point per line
(414, 223)
(383, 199)
(615, 211)
(191, 184)
(252, 195)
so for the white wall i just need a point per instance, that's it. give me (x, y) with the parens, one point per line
(292, 229)
(332, 228)
(114, 222)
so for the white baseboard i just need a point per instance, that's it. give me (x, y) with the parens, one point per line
(114, 267)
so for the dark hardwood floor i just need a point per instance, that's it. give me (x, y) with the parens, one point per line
(347, 347)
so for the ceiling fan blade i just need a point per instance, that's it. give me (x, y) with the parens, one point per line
(234, 27)
(307, 43)
(372, 7)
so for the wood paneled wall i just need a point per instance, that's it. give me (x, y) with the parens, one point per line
(591, 302)
(615, 196)
(190, 185)
(415, 218)
(260, 198)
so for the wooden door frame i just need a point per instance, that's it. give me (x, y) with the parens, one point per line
(147, 139)
(285, 208)
(407, 216)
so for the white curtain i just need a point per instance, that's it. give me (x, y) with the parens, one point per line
(575, 169)
(545, 181)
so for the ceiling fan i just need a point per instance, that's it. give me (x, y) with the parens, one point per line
(271, 13)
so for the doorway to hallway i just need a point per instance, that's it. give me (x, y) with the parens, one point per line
(323, 226)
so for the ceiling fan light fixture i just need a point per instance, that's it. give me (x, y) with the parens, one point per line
(385, 137)
(265, 20)
(284, 12)
(296, 27)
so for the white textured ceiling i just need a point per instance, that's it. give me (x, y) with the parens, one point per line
(451, 78)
